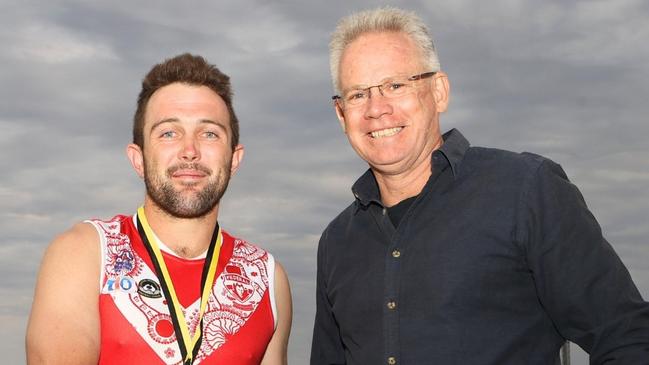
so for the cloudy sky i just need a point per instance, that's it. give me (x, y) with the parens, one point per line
(566, 79)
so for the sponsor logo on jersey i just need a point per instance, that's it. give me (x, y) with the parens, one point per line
(149, 288)
(120, 283)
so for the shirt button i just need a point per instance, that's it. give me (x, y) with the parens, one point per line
(385, 211)
(392, 360)
(396, 254)
(391, 305)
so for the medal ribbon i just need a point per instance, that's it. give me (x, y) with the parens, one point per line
(189, 346)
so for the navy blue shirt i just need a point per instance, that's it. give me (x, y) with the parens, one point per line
(497, 261)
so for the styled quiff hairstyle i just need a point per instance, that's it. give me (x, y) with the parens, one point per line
(187, 69)
(383, 19)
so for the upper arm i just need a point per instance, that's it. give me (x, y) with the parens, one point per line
(276, 352)
(63, 325)
(580, 280)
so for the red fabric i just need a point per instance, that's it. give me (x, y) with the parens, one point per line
(122, 343)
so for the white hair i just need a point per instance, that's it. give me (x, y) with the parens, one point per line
(383, 19)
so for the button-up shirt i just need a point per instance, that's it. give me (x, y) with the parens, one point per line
(497, 261)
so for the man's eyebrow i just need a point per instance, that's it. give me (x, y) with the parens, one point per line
(162, 121)
(202, 121)
(216, 123)
(383, 81)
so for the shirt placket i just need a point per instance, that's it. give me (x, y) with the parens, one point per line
(394, 256)
(391, 288)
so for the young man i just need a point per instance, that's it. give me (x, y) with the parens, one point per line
(452, 254)
(167, 285)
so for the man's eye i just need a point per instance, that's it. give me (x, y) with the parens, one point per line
(357, 95)
(168, 134)
(211, 135)
(392, 86)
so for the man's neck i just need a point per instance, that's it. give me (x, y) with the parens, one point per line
(187, 237)
(397, 187)
(403, 183)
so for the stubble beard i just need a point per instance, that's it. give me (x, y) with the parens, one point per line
(183, 204)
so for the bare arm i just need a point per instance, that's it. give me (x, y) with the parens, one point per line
(276, 352)
(63, 326)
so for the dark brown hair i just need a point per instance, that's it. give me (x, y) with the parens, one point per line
(187, 69)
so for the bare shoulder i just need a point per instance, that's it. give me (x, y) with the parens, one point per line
(74, 254)
(283, 294)
(281, 280)
(66, 300)
(276, 352)
(82, 236)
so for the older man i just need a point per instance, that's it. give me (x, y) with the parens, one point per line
(166, 285)
(452, 254)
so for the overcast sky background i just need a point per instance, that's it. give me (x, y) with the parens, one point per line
(566, 79)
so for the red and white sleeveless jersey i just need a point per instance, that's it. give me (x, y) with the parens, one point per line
(136, 328)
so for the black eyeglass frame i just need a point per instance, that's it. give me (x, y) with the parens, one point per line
(421, 76)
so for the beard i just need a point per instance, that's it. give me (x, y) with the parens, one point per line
(188, 202)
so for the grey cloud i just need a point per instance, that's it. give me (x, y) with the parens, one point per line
(564, 79)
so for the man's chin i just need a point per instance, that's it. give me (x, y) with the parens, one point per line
(189, 213)
(189, 206)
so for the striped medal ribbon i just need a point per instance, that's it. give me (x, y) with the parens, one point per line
(189, 345)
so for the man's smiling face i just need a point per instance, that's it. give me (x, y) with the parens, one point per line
(187, 158)
(392, 135)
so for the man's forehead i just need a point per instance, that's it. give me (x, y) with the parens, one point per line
(375, 57)
(181, 93)
(176, 101)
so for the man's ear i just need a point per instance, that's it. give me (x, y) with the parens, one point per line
(441, 91)
(237, 156)
(136, 157)
(340, 113)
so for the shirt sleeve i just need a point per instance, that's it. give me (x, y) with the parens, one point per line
(326, 348)
(580, 281)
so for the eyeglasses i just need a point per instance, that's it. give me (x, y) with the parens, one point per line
(392, 87)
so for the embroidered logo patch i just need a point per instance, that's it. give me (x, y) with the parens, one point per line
(237, 283)
(149, 288)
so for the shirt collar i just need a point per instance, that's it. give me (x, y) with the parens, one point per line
(366, 190)
(454, 149)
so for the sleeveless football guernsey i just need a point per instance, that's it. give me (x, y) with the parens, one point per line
(136, 327)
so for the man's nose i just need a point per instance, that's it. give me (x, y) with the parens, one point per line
(190, 150)
(377, 104)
